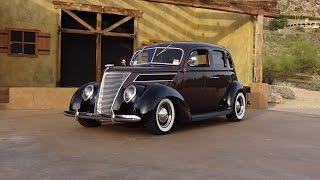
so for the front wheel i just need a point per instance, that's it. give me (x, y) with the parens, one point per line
(89, 122)
(238, 108)
(162, 119)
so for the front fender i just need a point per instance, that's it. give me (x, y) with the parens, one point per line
(78, 104)
(154, 93)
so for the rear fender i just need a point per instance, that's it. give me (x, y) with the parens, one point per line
(234, 87)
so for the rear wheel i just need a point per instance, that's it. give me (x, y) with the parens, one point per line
(161, 121)
(89, 122)
(238, 108)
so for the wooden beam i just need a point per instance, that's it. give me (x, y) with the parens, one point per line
(114, 34)
(266, 8)
(98, 49)
(117, 24)
(96, 8)
(257, 77)
(77, 31)
(74, 16)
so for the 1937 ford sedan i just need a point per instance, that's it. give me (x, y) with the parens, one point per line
(164, 83)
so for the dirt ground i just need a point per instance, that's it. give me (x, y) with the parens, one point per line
(306, 101)
(267, 145)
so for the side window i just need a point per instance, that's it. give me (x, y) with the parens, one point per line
(230, 62)
(218, 60)
(198, 58)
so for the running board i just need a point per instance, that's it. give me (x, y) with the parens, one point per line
(205, 116)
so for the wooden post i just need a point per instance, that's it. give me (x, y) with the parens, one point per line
(58, 59)
(98, 49)
(136, 30)
(257, 77)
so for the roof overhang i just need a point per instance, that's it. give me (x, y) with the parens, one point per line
(266, 8)
(96, 8)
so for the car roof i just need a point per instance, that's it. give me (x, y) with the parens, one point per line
(185, 44)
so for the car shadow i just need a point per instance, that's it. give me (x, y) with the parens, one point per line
(139, 129)
(217, 121)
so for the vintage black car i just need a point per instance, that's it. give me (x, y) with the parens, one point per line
(164, 83)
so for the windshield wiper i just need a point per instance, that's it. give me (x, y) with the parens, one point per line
(163, 50)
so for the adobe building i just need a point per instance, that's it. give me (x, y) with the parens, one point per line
(48, 48)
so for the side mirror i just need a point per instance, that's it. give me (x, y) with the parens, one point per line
(124, 62)
(193, 62)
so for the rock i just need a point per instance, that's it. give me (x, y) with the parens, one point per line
(285, 92)
(275, 98)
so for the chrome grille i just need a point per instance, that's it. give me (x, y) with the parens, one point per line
(110, 86)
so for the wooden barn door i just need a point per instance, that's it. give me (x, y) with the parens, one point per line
(91, 38)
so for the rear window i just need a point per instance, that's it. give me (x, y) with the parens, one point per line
(218, 60)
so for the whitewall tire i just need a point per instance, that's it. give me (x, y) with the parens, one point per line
(238, 108)
(162, 120)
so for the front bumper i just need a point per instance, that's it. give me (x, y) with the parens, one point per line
(103, 118)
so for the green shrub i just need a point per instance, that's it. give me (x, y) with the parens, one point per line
(307, 57)
(278, 23)
(292, 54)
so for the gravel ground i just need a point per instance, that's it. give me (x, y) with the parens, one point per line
(306, 101)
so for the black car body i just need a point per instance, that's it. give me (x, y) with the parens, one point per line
(164, 83)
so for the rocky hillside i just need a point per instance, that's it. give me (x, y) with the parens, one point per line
(300, 7)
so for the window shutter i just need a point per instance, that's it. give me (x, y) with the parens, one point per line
(43, 43)
(4, 41)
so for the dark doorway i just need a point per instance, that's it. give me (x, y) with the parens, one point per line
(78, 65)
(87, 45)
(115, 49)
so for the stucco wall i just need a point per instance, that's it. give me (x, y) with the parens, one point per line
(158, 22)
(233, 31)
(25, 71)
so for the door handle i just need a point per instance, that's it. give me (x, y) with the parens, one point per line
(214, 77)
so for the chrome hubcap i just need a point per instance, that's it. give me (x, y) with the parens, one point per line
(240, 106)
(163, 115)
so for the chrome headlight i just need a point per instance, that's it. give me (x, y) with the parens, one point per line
(129, 93)
(87, 92)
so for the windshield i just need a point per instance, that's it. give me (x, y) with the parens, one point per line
(158, 55)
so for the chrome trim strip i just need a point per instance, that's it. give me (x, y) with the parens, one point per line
(101, 118)
(155, 81)
(115, 97)
(98, 107)
(155, 74)
(129, 116)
